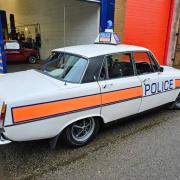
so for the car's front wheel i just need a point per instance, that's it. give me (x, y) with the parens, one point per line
(81, 132)
(32, 60)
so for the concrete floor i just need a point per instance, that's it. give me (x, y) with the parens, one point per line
(146, 147)
(19, 66)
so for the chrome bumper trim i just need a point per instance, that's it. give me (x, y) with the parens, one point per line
(1, 130)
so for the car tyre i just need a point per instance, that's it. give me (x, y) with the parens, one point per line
(81, 132)
(32, 60)
(175, 104)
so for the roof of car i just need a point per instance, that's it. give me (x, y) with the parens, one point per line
(93, 50)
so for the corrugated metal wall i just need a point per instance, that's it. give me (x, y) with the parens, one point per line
(146, 24)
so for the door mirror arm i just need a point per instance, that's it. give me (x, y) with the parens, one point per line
(161, 69)
(95, 78)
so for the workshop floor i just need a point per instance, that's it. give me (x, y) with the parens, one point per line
(19, 66)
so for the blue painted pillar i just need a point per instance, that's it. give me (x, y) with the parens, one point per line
(3, 68)
(107, 13)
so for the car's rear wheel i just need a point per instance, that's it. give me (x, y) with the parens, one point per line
(81, 132)
(176, 103)
(32, 60)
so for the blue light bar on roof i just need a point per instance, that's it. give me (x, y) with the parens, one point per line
(108, 37)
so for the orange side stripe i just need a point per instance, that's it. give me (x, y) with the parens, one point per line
(121, 95)
(53, 108)
(178, 83)
(42, 110)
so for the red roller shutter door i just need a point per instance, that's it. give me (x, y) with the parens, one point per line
(146, 24)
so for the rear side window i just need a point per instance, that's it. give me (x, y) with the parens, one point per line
(103, 74)
(144, 64)
(119, 65)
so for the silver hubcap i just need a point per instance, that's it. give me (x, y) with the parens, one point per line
(32, 59)
(82, 130)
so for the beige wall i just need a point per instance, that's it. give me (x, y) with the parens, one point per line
(173, 38)
(120, 8)
(82, 20)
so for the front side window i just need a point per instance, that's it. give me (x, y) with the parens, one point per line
(66, 67)
(93, 69)
(119, 65)
(103, 74)
(144, 64)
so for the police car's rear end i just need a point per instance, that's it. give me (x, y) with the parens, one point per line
(3, 107)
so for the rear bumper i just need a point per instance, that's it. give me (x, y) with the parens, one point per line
(3, 140)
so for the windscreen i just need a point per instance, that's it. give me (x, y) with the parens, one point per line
(65, 67)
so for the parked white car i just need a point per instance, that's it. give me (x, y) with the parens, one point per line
(80, 88)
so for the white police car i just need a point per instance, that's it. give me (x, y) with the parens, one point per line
(82, 87)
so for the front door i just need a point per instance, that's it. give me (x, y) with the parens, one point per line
(121, 90)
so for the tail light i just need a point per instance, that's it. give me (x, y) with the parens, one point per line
(3, 112)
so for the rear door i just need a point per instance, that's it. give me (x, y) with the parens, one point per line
(121, 90)
(149, 78)
(156, 85)
(167, 83)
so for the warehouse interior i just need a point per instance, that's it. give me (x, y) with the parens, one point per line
(46, 25)
(49, 19)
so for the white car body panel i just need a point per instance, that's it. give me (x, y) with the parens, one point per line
(47, 128)
(120, 109)
(151, 101)
(33, 89)
(148, 101)
(50, 127)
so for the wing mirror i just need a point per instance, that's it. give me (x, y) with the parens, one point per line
(161, 69)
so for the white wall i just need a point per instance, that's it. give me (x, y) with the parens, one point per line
(82, 20)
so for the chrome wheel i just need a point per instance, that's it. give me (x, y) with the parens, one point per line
(32, 59)
(83, 129)
(81, 132)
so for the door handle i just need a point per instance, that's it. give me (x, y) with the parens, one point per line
(107, 86)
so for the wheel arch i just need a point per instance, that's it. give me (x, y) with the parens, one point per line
(97, 117)
(31, 54)
(53, 141)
